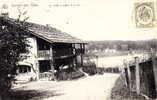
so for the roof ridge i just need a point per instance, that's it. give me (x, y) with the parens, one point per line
(49, 33)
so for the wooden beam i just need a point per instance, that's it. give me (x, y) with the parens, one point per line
(129, 75)
(137, 75)
(52, 62)
(84, 48)
(76, 63)
(73, 49)
(81, 56)
(37, 68)
(36, 63)
(154, 62)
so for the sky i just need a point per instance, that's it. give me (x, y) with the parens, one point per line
(85, 19)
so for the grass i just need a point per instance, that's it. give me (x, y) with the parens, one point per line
(121, 92)
(29, 95)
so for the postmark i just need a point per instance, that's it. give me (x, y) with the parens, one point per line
(144, 14)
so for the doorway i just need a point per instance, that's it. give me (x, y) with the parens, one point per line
(44, 66)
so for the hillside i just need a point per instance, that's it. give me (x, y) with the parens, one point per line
(119, 47)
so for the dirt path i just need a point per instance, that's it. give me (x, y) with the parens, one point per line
(96, 87)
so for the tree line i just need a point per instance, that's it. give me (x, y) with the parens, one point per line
(122, 45)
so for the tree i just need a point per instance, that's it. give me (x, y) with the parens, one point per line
(13, 41)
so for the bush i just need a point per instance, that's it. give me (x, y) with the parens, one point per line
(66, 74)
(89, 68)
(108, 70)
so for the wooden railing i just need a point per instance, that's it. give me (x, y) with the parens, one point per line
(45, 75)
(58, 53)
(44, 54)
(141, 75)
(79, 51)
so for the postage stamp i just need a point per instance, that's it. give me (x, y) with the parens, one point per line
(144, 14)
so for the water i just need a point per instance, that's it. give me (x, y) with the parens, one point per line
(114, 61)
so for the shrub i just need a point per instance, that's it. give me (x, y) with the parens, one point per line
(89, 68)
(108, 70)
(66, 74)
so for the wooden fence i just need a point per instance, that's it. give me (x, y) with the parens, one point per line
(141, 76)
(46, 76)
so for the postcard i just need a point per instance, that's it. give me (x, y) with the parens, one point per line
(78, 49)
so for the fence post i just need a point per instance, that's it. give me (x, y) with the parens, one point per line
(137, 75)
(154, 63)
(129, 75)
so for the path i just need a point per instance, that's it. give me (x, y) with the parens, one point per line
(96, 87)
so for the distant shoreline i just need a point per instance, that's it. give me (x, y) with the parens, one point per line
(102, 55)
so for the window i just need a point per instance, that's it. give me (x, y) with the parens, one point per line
(43, 45)
(24, 69)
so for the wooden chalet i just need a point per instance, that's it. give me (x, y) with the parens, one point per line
(51, 49)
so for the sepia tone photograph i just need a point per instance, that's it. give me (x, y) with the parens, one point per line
(78, 49)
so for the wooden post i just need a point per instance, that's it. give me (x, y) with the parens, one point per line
(129, 75)
(37, 69)
(73, 59)
(154, 62)
(97, 63)
(36, 63)
(137, 75)
(75, 55)
(83, 48)
(52, 62)
(74, 49)
(81, 60)
(81, 55)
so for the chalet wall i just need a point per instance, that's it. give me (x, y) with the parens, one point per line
(32, 55)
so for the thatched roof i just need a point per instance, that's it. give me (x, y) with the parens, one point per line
(49, 33)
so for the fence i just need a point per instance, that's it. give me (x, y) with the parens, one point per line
(46, 75)
(141, 76)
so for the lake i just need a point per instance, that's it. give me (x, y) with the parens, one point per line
(115, 61)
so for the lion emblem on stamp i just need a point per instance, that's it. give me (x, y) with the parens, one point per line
(144, 14)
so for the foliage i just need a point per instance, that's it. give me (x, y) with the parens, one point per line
(89, 68)
(12, 43)
(122, 46)
(133, 45)
(69, 73)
